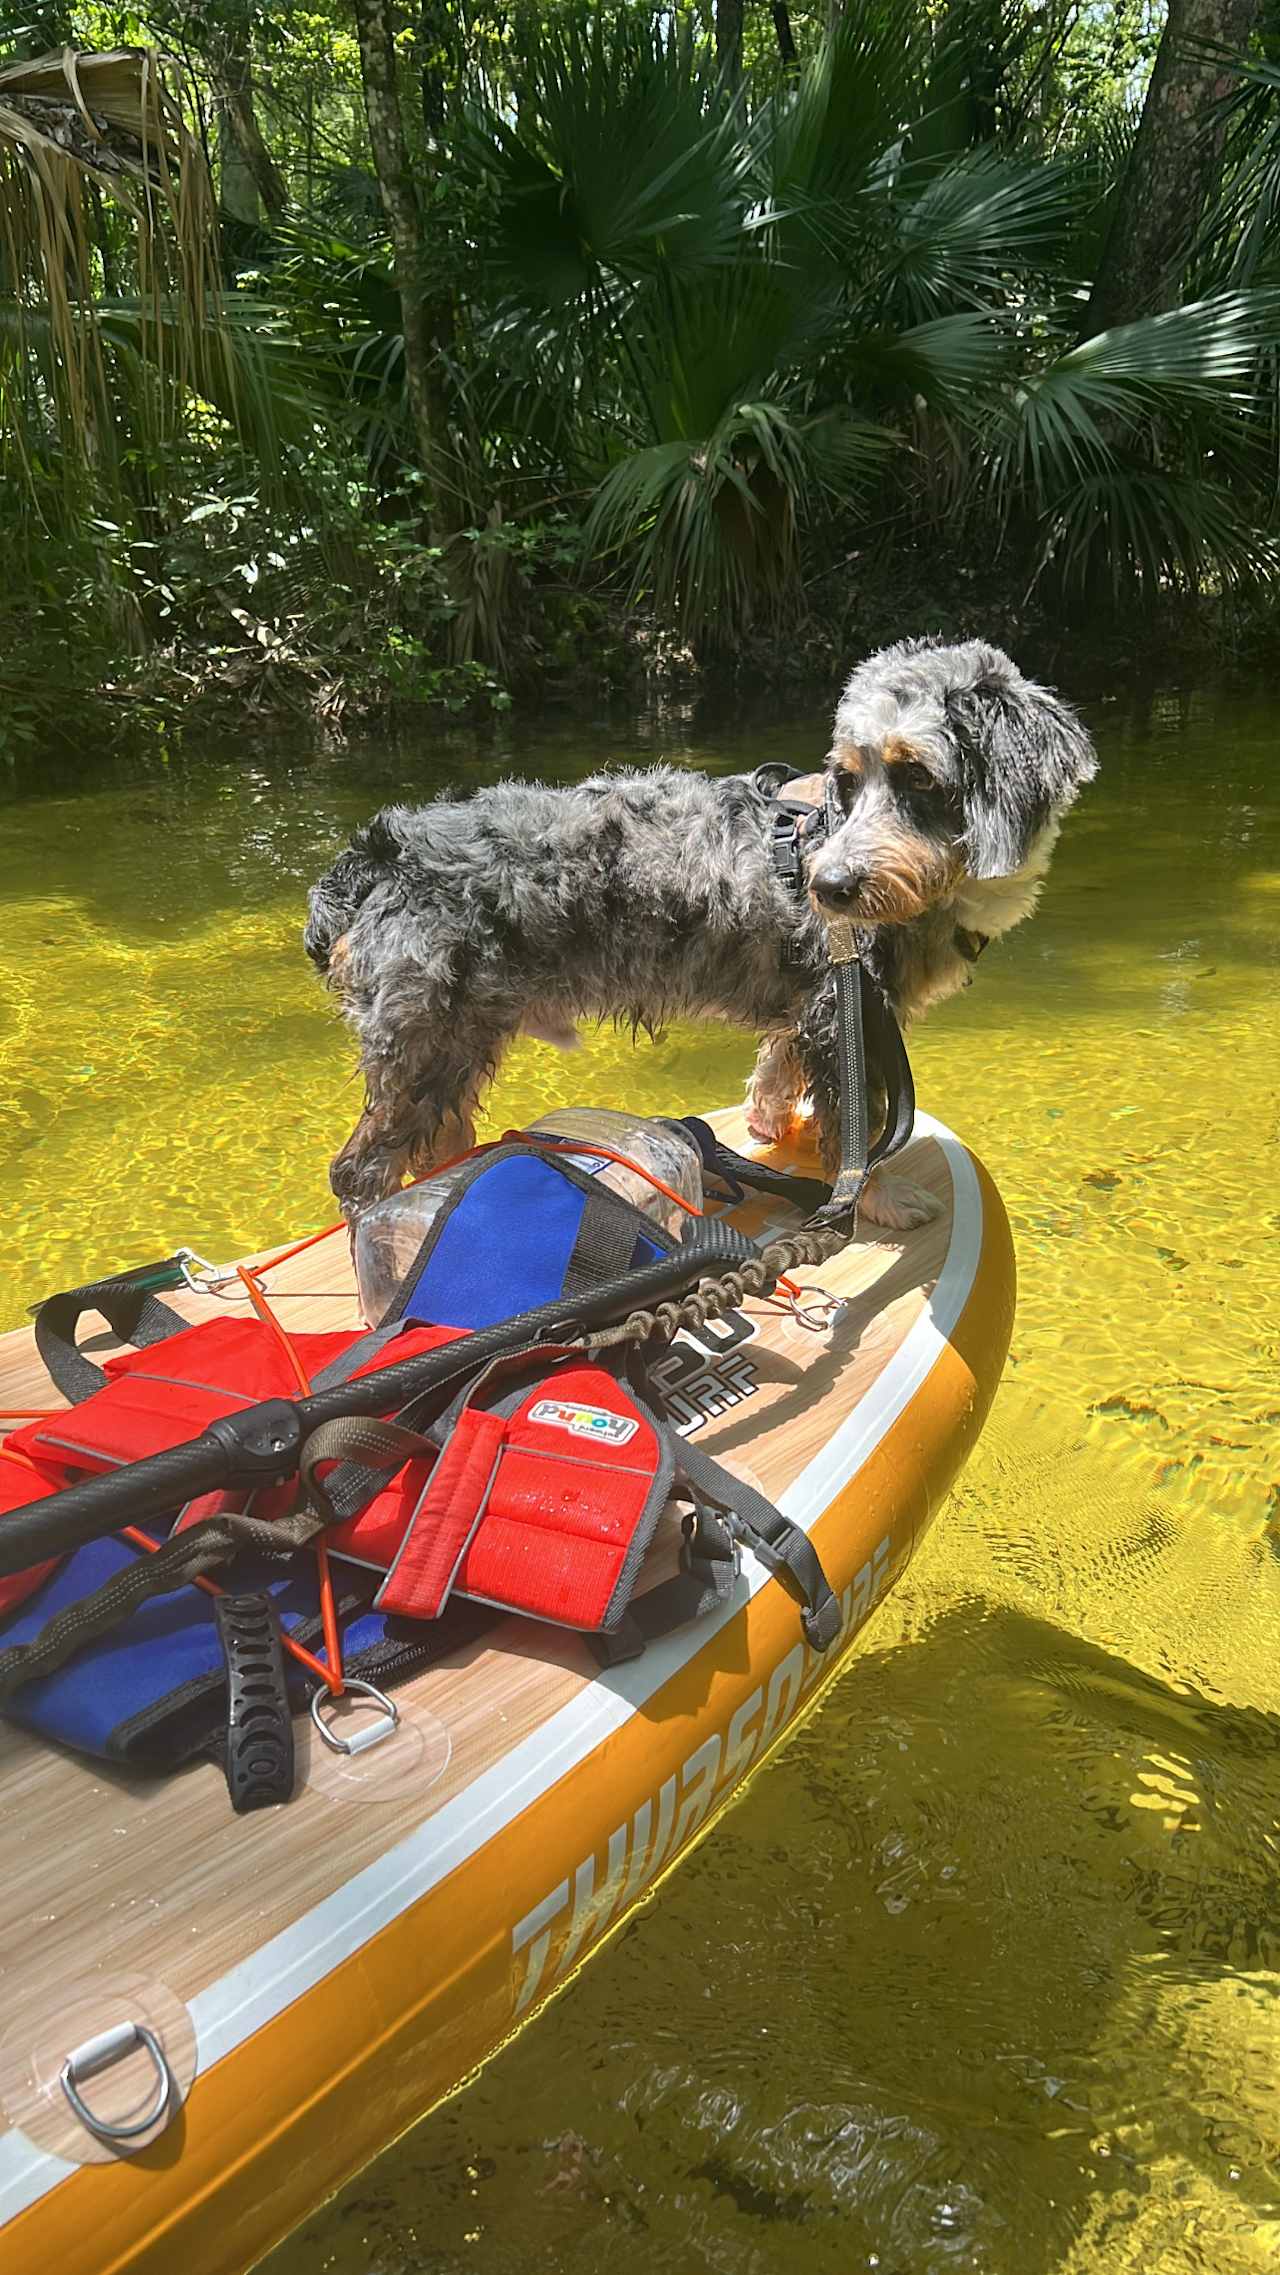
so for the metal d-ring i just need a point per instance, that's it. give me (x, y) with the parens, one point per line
(373, 1732)
(100, 2053)
(819, 1316)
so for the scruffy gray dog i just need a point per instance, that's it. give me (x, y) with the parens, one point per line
(644, 897)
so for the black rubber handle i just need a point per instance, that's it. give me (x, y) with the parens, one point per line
(259, 1762)
(262, 1444)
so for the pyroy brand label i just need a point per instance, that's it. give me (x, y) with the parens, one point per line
(595, 1422)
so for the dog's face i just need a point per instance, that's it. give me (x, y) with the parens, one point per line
(949, 768)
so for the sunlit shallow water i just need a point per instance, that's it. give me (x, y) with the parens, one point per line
(982, 1973)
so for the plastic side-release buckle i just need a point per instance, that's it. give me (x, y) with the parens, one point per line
(708, 1540)
(259, 1762)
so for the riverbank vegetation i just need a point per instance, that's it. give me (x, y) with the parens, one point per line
(366, 354)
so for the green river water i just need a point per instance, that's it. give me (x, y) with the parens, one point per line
(982, 1972)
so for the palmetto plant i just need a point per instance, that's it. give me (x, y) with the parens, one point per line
(720, 323)
(1141, 452)
(708, 325)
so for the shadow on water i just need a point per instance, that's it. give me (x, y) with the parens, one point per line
(951, 2014)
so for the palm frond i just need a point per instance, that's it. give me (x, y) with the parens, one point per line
(841, 126)
(1139, 526)
(950, 361)
(1239, 238)
(113, 119)
(620, 161)
(1205, 358)
(710, 525)
(970, 235)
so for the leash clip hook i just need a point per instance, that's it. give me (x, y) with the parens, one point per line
(204, 1278)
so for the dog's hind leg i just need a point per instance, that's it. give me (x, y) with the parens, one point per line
(420, 1112)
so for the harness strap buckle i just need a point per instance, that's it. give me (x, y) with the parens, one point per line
(708, 1539)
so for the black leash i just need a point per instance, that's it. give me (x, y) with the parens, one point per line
(862, 1011)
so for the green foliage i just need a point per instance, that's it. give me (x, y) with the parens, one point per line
(695, 352)
(838, 289)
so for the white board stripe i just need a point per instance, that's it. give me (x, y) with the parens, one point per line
(262, 1986)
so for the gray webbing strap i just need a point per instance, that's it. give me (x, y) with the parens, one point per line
(852, 1173)
(727, 1511)
(132, 1310)
(842, 949)
(786, 1551)
(185, 1556)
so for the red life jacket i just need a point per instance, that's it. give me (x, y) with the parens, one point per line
(539, 1490)
(161, 1396)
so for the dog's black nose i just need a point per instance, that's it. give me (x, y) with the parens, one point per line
(837, 884)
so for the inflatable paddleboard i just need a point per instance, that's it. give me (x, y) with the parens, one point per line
(300, 1985)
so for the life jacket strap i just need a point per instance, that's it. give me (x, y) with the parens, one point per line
(784, 1550)
(710, 1563)
(128, 1303)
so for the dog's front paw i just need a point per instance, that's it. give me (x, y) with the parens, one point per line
(776, 1087)
(895, 1204)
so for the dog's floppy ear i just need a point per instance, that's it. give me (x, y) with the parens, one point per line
(1024, 759)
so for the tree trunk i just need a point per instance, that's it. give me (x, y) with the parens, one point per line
(242, 128)
(435, 49)
(1174, 167)
(729, 42)
(237, 189)
(786, 44)
(242, 119)
(428, 408)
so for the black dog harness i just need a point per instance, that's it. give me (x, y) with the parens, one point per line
(862, 1009)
